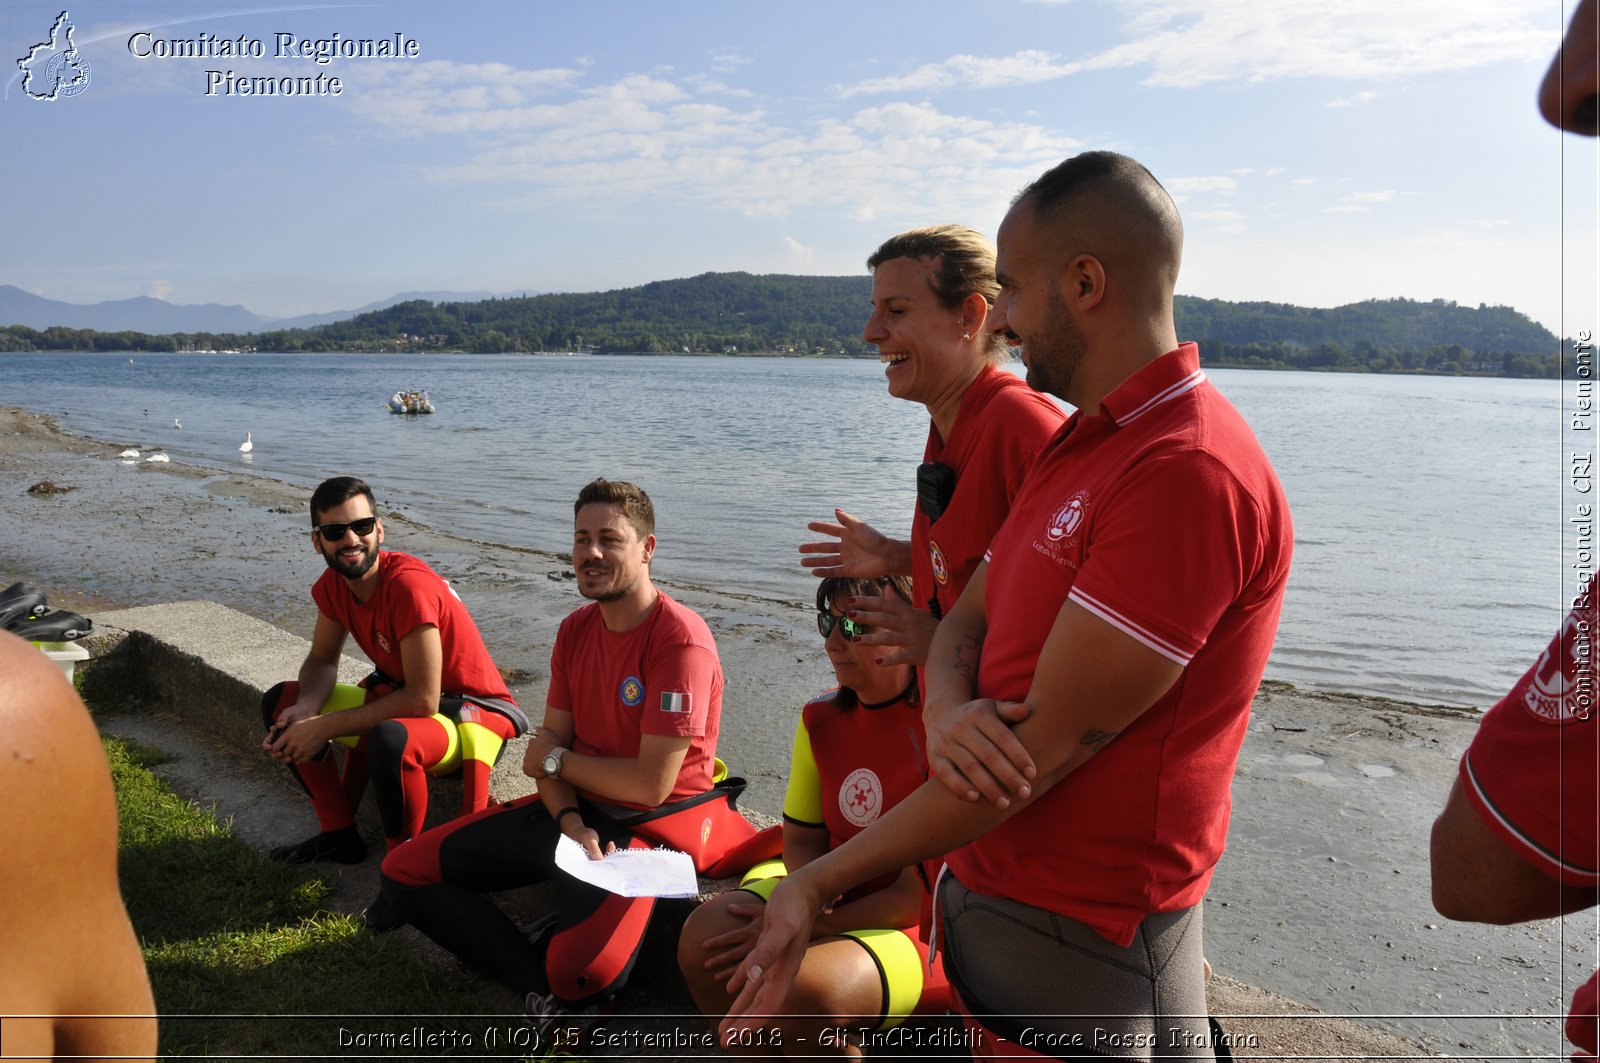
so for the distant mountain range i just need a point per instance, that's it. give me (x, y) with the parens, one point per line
(158, 317)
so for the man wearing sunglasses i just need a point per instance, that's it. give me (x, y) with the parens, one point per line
(434, 703)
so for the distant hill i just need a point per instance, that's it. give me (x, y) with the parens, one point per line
(709, 313)
(313, 320)
(142, 314)
(1385, 324)
(721, 313)
(156, 316)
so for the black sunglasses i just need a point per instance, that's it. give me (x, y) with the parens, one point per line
(826, 622)
(335, 532)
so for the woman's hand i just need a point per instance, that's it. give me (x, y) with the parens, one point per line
(728, 950)
(764, 976)
(855, 549)
(973, 752)
(901, 629)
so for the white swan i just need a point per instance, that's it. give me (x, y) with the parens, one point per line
(129, 453)
(247, 446)
(158, 457)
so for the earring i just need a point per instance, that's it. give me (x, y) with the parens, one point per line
(966, 335)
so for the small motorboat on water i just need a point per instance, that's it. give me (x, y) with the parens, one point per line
(410, 402)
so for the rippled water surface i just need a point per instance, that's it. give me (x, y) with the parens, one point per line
(1427, 510)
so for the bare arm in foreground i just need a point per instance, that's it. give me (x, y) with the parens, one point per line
(70, 953)
(1478, 878)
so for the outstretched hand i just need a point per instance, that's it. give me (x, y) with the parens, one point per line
(764, 977)
(855, 548)
(973, 752)
(904, 631)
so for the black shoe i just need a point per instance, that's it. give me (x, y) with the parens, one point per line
(382, 915)
(339, 846)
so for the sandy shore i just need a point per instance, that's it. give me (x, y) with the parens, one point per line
(1322, 896)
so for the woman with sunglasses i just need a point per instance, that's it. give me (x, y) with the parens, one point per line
(857, 753)
(932, 290)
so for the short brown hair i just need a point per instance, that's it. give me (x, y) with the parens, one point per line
(336, 491)
(634, 502)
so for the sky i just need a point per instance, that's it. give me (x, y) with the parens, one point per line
(1321, 153)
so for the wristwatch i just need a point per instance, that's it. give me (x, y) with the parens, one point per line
(552, 762)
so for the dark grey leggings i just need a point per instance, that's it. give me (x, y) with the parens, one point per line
(1052, 985)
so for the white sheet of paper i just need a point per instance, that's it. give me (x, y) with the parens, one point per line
(631, 872)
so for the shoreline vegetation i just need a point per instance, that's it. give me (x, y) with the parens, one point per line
(741, 314)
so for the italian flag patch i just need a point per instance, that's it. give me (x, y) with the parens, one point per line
(672, 701)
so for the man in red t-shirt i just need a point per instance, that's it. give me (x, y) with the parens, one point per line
(625, 757)
(1089, 691)
(434, 703)
(1519, 836)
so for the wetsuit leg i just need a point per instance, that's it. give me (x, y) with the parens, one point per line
(436, 882)
(330, 795)
(400, 750)
(483, 735)
(599, 935)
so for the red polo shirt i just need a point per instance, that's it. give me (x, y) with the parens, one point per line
(1160, 514)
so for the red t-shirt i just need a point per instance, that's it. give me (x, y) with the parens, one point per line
(1160, 514)
(409, 595)
(1533, 773)
(1001, 426)
(661, 678)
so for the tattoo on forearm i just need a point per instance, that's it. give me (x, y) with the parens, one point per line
(967, 660)
(1096, 740)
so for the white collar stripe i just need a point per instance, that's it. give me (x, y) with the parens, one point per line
(1187, 384)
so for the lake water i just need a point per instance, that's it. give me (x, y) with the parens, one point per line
(1428, 510)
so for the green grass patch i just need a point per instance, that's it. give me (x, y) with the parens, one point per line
(246, 960)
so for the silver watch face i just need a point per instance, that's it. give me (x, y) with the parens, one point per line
(552, 764)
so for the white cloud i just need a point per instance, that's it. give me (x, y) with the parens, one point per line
(797, 251)
(1182, 187)
(1351, 101)
(1216, 215)
(969, 71)
(159, 289)
(647, 137)
(728, 62)
(1277, 171)
(1360, 202)
(1187, 43)
(1303, 181)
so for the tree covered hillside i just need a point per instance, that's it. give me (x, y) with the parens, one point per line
(709, 313)
(720, 313)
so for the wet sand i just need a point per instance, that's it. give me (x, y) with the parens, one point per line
(1322, 896)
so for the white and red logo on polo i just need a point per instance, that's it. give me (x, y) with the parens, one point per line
(861, 796)
(1562, 686)
(1068, 518)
